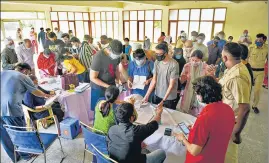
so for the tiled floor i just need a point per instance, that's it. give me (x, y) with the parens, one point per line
(254, 148)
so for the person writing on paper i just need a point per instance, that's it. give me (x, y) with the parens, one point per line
(192, 70)
(213, 127)
(165, 79)
(46, 63)
(35, 102)
(140, 68)
(125, 139)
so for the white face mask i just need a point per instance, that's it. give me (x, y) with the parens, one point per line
(193, 38)
(199, 41)
(183, 38)
(221, 36)
(74, 47)
(195, 64)
(11, 46)
(139, 62)
(114, 56)
(230, 40)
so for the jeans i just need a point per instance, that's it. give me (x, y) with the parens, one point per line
(171, 104)
(96, 93)
(157, 156)
(5, 139)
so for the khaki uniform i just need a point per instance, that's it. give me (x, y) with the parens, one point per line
(179, 43)
(257, 59)
(236, 86)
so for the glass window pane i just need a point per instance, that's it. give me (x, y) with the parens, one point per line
(98, 29)
(173, 14)
(194, 26)
(207, 14)
(133, 15)
(173, 28)
(149, 15)
(126, 15)
(149, 29)
(53, 15)
(195, 14)
(78, 16)
(183, 14)
(63, 26)
(141, 31)
(115, 15)
(116, 30)
(103, 15)
(103, 27)
(206, 28)
(71, 16)
(72, 27)
(97, 16)
(80, 29)
(126, 29)
(54, 24)
(2, 35)
(218, 27)
(85, 16)
(182, 26)
(141, 15)
(158, 15)
(110, 29)
(91, 16)
(220, 14)
(133, 30)
(11, 29)
(93, 29)
(18, 15)
(108, 15)
(86, 28)
(62, 15)
(157, 30)
(41, 15)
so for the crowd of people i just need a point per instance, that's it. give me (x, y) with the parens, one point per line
(211, 81)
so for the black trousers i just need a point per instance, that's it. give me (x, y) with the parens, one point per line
(171, 104)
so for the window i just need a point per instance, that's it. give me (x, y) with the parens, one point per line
(105, 23)
(141, 23)
(78, 22)
(207, 21)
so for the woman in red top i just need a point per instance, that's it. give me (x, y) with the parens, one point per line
(46, 63)
(209, 137)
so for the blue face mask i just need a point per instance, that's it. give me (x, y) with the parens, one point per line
(178, 56)
(259, 44)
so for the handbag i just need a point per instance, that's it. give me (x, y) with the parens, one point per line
(68, 79)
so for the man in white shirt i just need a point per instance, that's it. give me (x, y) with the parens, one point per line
(25, 53)
(198, 45)
(58, 33)
(245, 38)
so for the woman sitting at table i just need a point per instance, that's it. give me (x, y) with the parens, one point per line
(209, 137)
(46, 63)
(73, 66)
(192, 70)
(35, 102)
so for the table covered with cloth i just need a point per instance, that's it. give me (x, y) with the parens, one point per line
(77, 105)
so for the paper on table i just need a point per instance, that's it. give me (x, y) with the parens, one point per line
(145, 113)
(138, 82)
(50, 100)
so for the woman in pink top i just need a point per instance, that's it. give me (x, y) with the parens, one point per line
(161, 38)
(33, 38)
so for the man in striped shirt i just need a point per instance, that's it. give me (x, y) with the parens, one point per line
(84, 53)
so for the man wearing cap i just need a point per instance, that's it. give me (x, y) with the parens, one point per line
(104, 42)
(245, 38)
(214, 53)
(104, 70)
(8, 56)
(181, 40)
(25, 54)
(198, 45)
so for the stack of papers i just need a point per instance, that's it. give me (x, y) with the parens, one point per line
(145, 112)
(138, 82)
(82, 87)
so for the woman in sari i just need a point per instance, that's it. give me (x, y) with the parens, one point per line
(192, 70)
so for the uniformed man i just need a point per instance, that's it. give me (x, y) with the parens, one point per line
(257, 57)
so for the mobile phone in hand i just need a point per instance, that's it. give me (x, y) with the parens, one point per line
(184, 128)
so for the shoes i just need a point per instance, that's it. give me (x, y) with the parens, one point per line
(256, 110)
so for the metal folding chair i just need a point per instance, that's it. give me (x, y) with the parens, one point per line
(102, 158)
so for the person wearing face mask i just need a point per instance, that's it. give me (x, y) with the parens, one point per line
(103, 43)
(66, 40)
(14, 85)
(213, 127)
(192, 70)
(230, 39)
(258, 54)
(188, 50)
(165, 79)
(84, 53)
(25, 54)
(88, 39)
(198, 45)
(140, 67)
(46, 63)
(123, 71)
(58, 33)
(214, 53)
(127, 48)
(194, 35)
(33, 38)
(245, 38)
(9, 57)
(221, 42)
(181, 40)
(104, 70)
